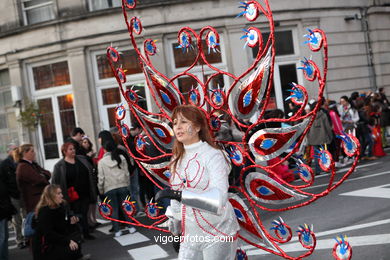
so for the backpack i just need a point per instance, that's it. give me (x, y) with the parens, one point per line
(28, 225)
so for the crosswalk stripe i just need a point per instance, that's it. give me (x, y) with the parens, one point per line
(131, 239)
(102, 221)
(329, 243)
(382, 191)
(153, 252)
(349, 180)
(104, 229)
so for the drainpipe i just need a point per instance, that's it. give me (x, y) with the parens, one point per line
(369, 54)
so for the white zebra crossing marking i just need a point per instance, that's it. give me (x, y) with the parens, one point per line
(104, 229)
(102, 221)
(357, 241)
(382, 191)
(329, 243)
(153, 252)
(131, 239)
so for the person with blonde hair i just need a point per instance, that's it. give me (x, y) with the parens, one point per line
(199, 190)
(31, 177)
(56, 235)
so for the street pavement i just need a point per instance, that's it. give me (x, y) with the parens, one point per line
(359, 208)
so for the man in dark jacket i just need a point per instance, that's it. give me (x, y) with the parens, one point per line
(8, 167)
(75, 138)
(6, 212)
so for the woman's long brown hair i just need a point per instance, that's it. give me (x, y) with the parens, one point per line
(198, 118)
(48, 198)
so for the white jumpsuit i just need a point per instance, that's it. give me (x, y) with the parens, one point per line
(204, 170)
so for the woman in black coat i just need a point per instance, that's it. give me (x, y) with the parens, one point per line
(75, 171)
(56, 235)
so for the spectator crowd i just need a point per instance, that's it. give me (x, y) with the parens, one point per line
(61, 207)
(66, 199)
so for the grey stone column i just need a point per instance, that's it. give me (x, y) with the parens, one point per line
(81, 91)
(16, 79)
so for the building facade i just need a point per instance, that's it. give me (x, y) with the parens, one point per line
(53, 53)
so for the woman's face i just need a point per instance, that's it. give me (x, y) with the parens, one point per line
(185, 131)
(85, 144)
(29, 155)
(58, 197)
(343, 102)
(70, 152)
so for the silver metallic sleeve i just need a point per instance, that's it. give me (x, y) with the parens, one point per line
(210, 200)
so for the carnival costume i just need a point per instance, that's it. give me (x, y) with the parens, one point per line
(246, 96)
(202, 176)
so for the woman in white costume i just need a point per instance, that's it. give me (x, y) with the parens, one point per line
(200, 210)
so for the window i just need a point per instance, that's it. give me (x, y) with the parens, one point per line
(185, 59)
(289, 72)
(140, 89)
(111, 97)
(108, 92)
(5, 99)
(52, 75)
(57, 121)
(128, 60)
(285, 71)
(185, 85)
(68, 121)
(50, 145)
(103, 4)
(36, 11)
(284, 44)
(4, 78)
(53, 94)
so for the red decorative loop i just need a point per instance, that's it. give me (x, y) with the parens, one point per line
(166, 97)
(128, 207)
(325, 160)
(160, 131)
(120, 112)
(131, 4)
(243, 218)
(248, 96)
(279, 140)
(150, 47)
(121, 75)
(218, 98)
(269, 191)
(318, 34)
(136, 25)
(113, 54)
(252, 12)
(254, 37)
(105, 209)
(131, 96)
